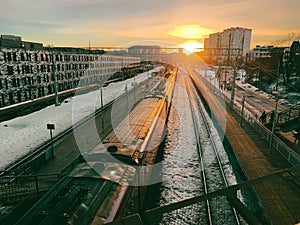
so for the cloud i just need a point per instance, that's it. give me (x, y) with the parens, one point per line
(106, 20)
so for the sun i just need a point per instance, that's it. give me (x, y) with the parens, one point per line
(191, 46)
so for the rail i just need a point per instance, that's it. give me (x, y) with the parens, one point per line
(200, 148)
(199, 151)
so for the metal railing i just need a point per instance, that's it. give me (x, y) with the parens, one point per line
(153, 216)
(17, 185)
(289, 114)
(288, 153)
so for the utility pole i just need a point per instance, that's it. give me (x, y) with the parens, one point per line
(233, 88)
(134, 88)
(126, 93)
(102, 114)
(243, 106)
(278, 75)
(55, 80)
(276, 93)
(228, 61)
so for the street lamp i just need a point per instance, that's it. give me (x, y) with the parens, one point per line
(276, 93)
(243, 106)
(102, 113)
(126, 93)
(55, 79)
(236, 66)
(233, 89)
(134, 88)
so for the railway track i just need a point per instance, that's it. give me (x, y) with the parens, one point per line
(219, 211)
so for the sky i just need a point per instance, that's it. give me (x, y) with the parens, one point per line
(117, 23)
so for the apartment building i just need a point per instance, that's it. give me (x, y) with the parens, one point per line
(29, 74)
(223, 47)
(260, 51)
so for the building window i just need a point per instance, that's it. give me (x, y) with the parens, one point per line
(23, 81)
(38, 79)
(14, 83)
(9, 56)
(10, 70)
(11, 97)
(6, 83)
(27, 69)
(14, 57)
(22, 57)
(28, 80)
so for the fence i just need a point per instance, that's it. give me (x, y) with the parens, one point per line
(289, 114)
(17, 185)
(153, 216)
(277, 144)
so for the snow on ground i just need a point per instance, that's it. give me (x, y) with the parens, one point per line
(22, 135)
(249, 109)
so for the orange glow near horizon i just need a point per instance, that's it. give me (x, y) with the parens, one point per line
(192, 31)
(191, 46)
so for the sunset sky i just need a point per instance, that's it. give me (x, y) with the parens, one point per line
(119, 22)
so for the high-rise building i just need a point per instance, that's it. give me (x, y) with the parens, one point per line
(224, 46)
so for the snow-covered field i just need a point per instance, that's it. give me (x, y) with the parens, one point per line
(22, 135)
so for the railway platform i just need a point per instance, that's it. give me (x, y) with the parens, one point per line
(279, 196)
